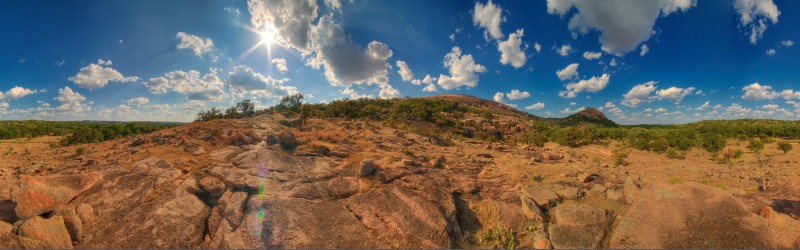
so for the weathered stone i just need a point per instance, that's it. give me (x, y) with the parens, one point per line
(85, 212)
(5, 228)
(271, 139)
(578, 226)
(287, 140)
(613, 195)
(50, 232)
(367, 168)
(585, 177)
(212, 185)
(531, 210)
(570, 193)
(72, 221)
(546, 199)
(630, 190)
(39, 195)
(693, 216)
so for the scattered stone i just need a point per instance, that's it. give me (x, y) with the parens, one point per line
(408, 162)
(214, 187)
(438, 162)
(85, 212)
(614, 195)
(630, 190)
(578, 226)
(766, 211)
(585, 177)
(287, 140)
(485, 155)
(599, 188)
(72, 221)
(570, 193)
(367, 168)
(531, 210)
(51, 232)
(271, 139)
(546, 199)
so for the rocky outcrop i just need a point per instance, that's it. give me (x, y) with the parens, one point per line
(49, 232)
(578, 226)
(690, 216)
(38, 195)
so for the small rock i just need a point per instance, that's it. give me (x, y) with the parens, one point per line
(542, 244)
(72, 221)
(438, 162)
(214, 187)
(85, 212)
(530, 209)
(485, 155)
(630, 190)
(408, 162)
(766, 211)
(367, 168)
(51, 232)
(585, 177)
(613, 195)
(546, 199)
(287, 140)
(599, 188)
(271, 139)
(570, 193)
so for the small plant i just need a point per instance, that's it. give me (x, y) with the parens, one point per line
(620, 157)
(784, 146)
(676, 180)
(80, 151)
(537, 178)
(501, 237)
(676, 154)
(27, 152)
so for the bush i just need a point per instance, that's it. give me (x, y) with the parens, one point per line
(676, 154)
(80, 151)
(756, 145)
(290, 104)
(713, 142)
(620, 157)
(784, 146)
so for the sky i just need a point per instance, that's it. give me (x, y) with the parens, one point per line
(638, 61)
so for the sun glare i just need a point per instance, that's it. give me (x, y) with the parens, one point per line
(268, 36)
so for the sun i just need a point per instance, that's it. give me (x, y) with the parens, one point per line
(268, 36)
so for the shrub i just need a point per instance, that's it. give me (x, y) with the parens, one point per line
(290, 104)
(713, 142)
(676, 154)
(620, 157)
(784, 146)
(756, 145)
(80, 151)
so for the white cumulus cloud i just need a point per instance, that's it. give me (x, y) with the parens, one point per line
(638, 94)
(569, 72)
(96, 76)
(489, 17)
(516, 94)
(622, 24)
(535, 106)
(197, 44)
(462, 68)
(588, 55)
(592, 85)
(512, 50)
(754, 15)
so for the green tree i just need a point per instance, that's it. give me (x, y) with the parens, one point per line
(713, 142)
(290, 104)
(784, 146)
(756, 145)
(246, 108)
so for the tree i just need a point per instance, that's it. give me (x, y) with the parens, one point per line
(713, 142)
(784, 146)
(246, 108)
(290, 104)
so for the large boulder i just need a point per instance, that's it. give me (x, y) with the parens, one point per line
(39, 195)
(691, 215)
(72, 221)
(287, 140)
(50, 232)
(578, 226)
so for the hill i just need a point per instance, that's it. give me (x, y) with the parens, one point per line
(438, 172)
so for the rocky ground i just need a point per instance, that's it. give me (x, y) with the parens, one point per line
(254, 183)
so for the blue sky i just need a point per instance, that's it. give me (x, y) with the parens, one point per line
(654, 61)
